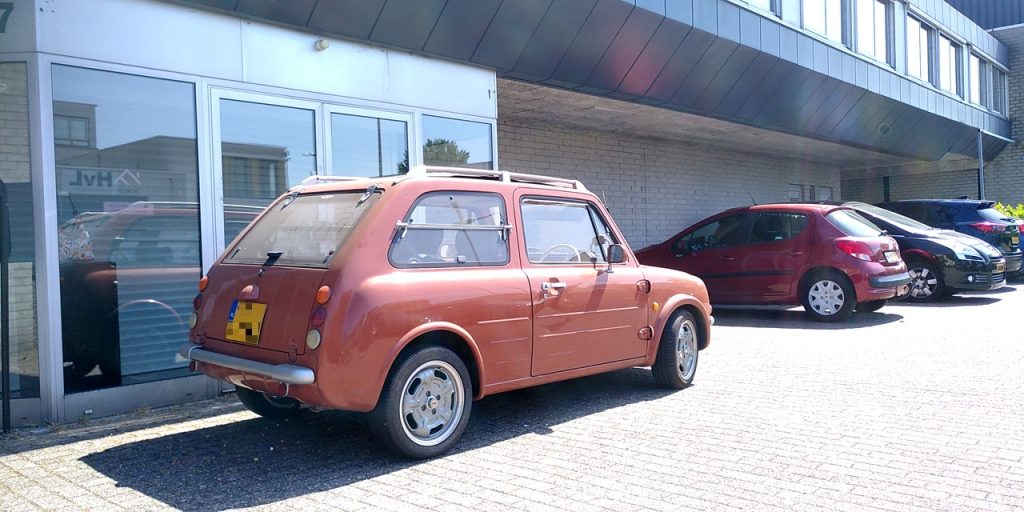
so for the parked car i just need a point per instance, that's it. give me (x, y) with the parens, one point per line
(825, 257)
(972, 217)
(940, 261)
(409, 297)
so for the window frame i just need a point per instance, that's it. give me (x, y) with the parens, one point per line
(926, 59)
(887, 28)
(844, 21)
(403, 226)
(593, 214)
(328, 132)
(957, 71)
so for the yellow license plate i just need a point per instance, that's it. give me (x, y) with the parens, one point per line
(1015, 239)
(245, 320)
(1000, 267)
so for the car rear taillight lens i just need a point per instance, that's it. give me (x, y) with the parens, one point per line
(318, 317)
(196, 302)
(313, 339)
(323, 295)
(859, 250)
(989, 227)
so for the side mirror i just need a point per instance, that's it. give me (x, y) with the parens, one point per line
(616, 254)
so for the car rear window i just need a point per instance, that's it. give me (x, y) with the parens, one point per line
(852, 224)
(305, 230)
(992, 214)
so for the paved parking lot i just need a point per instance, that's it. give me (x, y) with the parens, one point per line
(910, 408)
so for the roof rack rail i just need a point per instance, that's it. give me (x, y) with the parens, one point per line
(505, 176)
(316, 178)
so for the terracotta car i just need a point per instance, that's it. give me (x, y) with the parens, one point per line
(409, 297)
(827, 258)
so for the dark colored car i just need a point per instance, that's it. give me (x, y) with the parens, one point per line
(972, 217)
(940, 261)
(825, 257)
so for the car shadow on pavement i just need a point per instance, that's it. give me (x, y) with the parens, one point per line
(259, 461)
(952, 302)
(788, 318)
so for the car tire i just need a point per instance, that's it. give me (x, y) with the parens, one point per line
(926, 282)
(828, 296)
(678, 350)
(425, 404)
(870, 306)
(273, 407)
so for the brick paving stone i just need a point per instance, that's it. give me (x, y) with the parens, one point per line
(913, 408)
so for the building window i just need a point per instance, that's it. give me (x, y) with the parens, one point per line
(949, 68)
(998, 90)
(127, 225)
(873, 29)
(824, 17)
(457, 143)
(918, 49)
(368, 146)
(975, 74)
(71, 131)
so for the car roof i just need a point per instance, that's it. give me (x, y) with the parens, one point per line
(488, 178)
(795, 207)
(970, 202)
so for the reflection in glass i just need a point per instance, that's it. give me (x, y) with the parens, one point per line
(872, 29)
(368, 146)
(824, 17)
(457, 143)
(948, 54)
(128, 224)
(998, 90)
(764, 4)
(974, 70)
(16, 179)
(917, 49)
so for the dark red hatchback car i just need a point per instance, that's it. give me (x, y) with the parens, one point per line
(827, 258)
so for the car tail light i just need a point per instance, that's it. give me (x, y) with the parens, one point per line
(859, 250)
(196, 302)
(203, 281)
(313, 339)
(989, 227)
(323, 295)
(318, 316)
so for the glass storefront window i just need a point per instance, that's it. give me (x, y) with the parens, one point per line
(457, 143)
(824, 17)
(872, 29)
(763, 4)
(265, 150)
(917, 49)
(16, 179)
(128, 224)
(948, 67)
(368, 146)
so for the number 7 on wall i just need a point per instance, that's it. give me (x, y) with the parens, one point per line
(5, 12)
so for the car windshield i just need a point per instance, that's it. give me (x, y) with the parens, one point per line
(901, 221)
(852, 224)
(302, 230)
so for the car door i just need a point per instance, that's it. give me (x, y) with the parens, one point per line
(585, 311)
(711, 252)
(779, 248)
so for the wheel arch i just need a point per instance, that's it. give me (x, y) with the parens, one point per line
(805, 280)
(701, 314)
(440, 334)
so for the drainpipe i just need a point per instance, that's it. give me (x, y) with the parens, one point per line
(981, 169)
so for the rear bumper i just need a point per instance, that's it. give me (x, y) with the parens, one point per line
(890, 281)
(1013, 262)
(286, 373)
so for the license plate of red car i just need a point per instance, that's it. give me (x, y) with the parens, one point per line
(892, 256)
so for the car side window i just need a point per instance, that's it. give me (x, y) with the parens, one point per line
(559, 231)
(724, 232)
(777, 226)
(444, 229)
(938, 214)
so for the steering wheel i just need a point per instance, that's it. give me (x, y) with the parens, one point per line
(554, 249)
(712, 241)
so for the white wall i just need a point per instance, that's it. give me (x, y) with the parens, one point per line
(169, 37)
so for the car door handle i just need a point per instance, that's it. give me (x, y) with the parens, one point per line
(726, 258)
(794, 254)
(552, 288)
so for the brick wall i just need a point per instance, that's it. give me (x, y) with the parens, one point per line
(14, 169)
(653, 187)
(935, 184)
(1004, 175)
